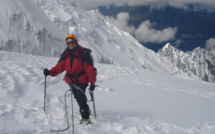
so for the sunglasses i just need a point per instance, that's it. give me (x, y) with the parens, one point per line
(71, 42)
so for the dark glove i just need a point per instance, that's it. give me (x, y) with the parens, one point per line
(92, 87)
(46, 72)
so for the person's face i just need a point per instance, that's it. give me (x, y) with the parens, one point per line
(71, 44)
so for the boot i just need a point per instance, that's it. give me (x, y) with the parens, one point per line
(85, 121)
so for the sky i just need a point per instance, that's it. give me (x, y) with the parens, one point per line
(145, 32)
(209, 5)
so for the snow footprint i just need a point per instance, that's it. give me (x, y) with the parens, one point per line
(108, 89)
(105, 89)
(136, 82)
(6, 83)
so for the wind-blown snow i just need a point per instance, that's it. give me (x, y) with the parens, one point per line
(128, 100)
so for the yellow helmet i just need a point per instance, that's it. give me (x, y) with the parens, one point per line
(71, 36)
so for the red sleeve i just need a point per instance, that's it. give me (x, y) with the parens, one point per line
(60, 67)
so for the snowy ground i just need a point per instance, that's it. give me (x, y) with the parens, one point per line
(128, 101)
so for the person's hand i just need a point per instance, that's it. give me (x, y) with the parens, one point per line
(46, 72)
(92, 87)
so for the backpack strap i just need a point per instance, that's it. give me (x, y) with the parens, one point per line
(87, 57)
(76, 76)
(84, 52)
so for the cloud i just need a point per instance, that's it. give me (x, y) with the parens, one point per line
(121, 22)
(93, 4)
(210, 45)
(208, 5)
(145, 32)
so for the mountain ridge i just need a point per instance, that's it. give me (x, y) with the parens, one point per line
(198, 63)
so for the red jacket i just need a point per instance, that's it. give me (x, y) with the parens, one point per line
(74, 62)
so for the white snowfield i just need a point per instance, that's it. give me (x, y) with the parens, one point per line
(128, 100)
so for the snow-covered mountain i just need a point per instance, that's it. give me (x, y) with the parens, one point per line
(109, 44)
(38, 27)
(28, 28)
(24, 28)
(198, 63)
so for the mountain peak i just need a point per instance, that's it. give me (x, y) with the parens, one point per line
(97, 13)
(167, 46)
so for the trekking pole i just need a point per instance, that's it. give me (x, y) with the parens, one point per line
(94, 106)
(45, 95)
(73, 127)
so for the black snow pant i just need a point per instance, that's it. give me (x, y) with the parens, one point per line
(81, 99)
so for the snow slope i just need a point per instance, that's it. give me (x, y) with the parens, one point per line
(128, 100)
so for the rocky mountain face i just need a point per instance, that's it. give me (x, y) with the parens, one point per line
(198, 64)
